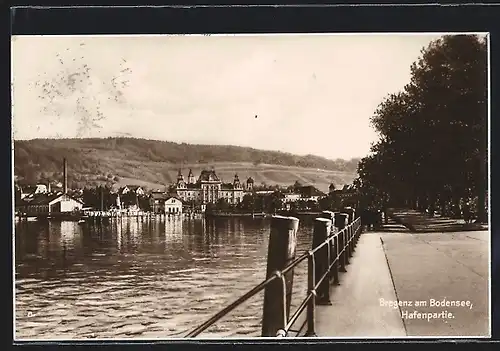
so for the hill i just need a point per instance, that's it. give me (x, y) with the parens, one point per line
(154, 163)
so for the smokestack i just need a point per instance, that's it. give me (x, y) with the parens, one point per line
(65, 176)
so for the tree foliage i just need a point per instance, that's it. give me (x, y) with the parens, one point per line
(433, 134)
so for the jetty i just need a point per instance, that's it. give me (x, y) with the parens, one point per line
(95, 215)
(391, 282)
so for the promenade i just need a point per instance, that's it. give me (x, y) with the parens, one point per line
(398, 278)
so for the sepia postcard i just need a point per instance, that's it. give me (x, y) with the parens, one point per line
(251, 186)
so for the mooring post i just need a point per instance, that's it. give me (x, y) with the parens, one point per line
(347, 246)
(281, 251)
(322, 228)
(332, 249)
(350, 232)
(340, 222)
(353, 239)
(336, 250)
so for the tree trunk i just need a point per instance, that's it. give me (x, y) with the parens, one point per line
(482, 188)
(482, 216)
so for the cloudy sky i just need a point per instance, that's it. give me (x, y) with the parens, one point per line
(305, 94)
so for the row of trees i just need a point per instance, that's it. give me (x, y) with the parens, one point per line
(102, 197)
(432, 151)
(274, 202)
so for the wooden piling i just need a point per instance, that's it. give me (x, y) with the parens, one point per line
(349, 232)
(347, 252)
(322, 229)
(340, 222)
(334, 272)
(281, 251)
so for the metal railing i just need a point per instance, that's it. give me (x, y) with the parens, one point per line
(346, 237)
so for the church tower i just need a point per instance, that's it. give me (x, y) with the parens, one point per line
(236, 183)
(181, 184)
(250, 184)
(331, 188)
(191, 179)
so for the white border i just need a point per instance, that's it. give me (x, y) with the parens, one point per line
(258, 340)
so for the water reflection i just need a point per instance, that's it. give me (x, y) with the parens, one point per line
(136, 277)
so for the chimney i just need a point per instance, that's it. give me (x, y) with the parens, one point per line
(65, 176)
(48, 188)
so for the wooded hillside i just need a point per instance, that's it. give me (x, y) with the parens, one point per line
(154, 163)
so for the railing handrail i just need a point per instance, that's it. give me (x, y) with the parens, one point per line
(277, 275)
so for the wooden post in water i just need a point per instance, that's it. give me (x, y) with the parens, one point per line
(322, 229)
(281, 251)
(334, 273)
(340, 219)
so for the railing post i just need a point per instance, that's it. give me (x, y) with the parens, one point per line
(360, 229)
(340, 223)
(351, 232)
(351, 242)
(321, 232)
(331, 246)
(311, 305)
(281, 251)
(347, 246)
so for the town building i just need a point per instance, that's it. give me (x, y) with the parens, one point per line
(135, 189)
(161, 202)
(46, 204)
(303, 193)
(208, 188)
(157, 202)
(310, 193)
(291, 197)
(173, 206)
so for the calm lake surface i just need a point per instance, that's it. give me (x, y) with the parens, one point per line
(130, 278)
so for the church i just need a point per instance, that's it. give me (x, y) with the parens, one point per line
(209, 188)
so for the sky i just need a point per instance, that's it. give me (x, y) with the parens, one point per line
(303, 94)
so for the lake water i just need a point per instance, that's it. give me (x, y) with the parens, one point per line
(134, 278)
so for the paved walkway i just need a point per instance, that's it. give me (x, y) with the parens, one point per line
(443, 267)
(406, 267)
(419, 222)
(355, 310)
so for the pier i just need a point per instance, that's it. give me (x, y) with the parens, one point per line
(392, 282)
(94, 215)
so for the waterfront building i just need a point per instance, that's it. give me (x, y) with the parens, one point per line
(173, 206)
(161, 202)
(46, 204)
(157, 201)
(209, 188)
(303, 193)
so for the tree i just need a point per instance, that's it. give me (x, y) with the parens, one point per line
(222, 204)
(248, 202)
(275, 202)
(433, 141)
